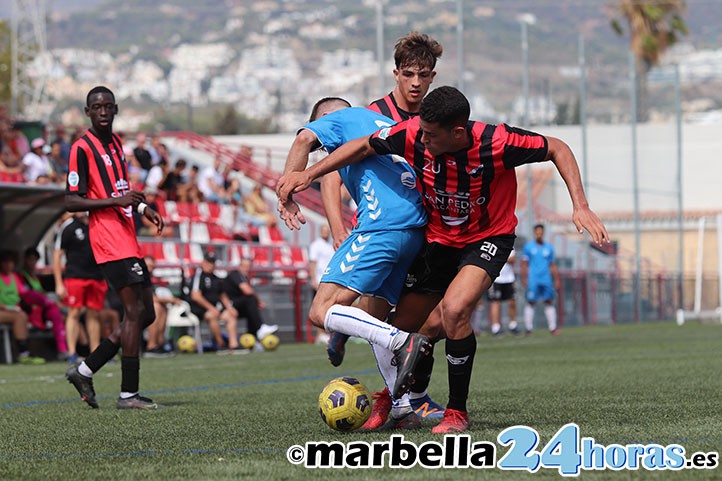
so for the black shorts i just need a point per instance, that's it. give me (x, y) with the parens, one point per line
(436, 265)
(500, 292)
(200, 311)
(126, 272)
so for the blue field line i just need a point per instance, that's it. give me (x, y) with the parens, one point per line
(189, 389)
(167, 452)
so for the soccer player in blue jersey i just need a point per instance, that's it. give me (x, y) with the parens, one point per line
(541, 278)
(415, 56)
(374, 259)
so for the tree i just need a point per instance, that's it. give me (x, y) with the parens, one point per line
(5, 62)
(654, 26)
(227, 121)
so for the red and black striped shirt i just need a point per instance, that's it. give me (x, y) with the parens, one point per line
(97, 170)
(470, 194)
(387, 106)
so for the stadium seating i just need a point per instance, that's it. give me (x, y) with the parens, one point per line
(16, 177)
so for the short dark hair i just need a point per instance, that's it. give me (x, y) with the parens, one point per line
(8, 255)
(445, 106)
(324, 101)
(180, 163)
(417, 49)
(539, 226)
(100, 89)
(31, 252)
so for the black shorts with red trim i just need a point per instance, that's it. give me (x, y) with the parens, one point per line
(436, 265)
(126, 272)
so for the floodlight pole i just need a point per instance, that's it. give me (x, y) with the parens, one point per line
(583, 112)
(380, 45)
(525, 20)
(460, 43)
(635, 182)
(680, 205)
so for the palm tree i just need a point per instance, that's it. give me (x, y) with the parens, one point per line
(654, 26)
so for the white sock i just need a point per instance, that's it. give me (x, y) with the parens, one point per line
(383, 362)
(127, 395)
(417, 395)
(353, 321)
(529, 317)
(401, 407)
(84, 370)
(495, 328)
(551, 313)
(512, 325)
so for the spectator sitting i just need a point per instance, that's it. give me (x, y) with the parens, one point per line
(173, 180)
(188, 190)
(211, 304)
(158, 151)
(60, 139)
(246, 301)
(143, 226)
(10, 311)
(254, 204)
(157, 175)
(57, 161)
(18, 142)
(212, 184)
(135, 171)
(37, 166)
(162, 297)
(141, 153)
(37, 304)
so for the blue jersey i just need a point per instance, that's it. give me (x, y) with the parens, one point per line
(540, 257)
(383, 187)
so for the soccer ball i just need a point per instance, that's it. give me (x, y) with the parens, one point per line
(247, 341)
(270, 342)
(344, 404)
(186, 344)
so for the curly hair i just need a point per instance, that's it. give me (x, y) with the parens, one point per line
(445, 106)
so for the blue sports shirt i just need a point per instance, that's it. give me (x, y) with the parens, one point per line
(383, 186)
(540, 257)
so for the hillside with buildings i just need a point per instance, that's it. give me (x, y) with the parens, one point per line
(270, 60)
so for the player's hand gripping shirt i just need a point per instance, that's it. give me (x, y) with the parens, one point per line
(383, 187)
(470, 194)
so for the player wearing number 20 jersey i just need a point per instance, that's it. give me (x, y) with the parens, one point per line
(469, 194)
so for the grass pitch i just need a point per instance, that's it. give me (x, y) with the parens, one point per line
(234, 417)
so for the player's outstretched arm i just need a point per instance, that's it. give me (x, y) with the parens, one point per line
(348, 153)
(583, 217)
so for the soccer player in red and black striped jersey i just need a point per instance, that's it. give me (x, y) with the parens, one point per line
(466, 178)
(98, 182)
(415, 56)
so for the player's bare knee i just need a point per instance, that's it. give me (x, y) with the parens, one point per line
(455, 313)
(317, 314)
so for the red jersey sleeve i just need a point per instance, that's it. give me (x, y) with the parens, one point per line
(77, 181)
(390, 140)
(520, 146)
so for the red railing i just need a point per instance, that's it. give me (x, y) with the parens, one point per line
(245, 164)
